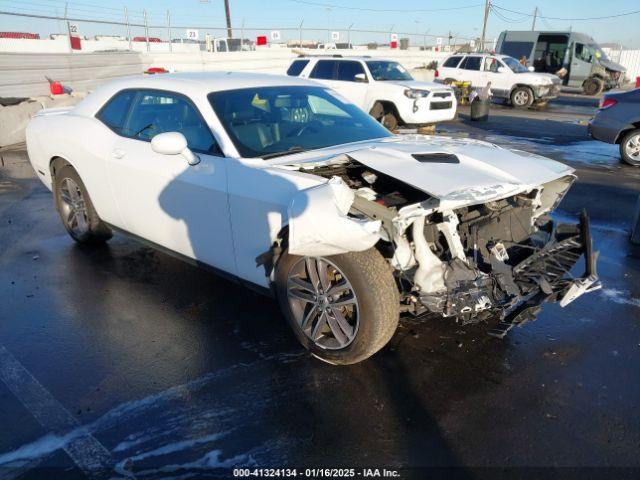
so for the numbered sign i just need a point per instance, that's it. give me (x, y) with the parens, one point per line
(193, 34)
(335, 36)
(439, 41)
(275, 35)
(73, 29)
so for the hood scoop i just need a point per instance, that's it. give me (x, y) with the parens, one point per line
(436, 157)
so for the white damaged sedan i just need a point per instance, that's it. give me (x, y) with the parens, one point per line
(280, 183)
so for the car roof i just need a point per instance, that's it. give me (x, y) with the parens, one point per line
(363, 58)
(191, 84)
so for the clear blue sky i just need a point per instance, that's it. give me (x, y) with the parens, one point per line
(408, 17)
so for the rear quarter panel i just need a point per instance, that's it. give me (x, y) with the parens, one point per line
(85, 143)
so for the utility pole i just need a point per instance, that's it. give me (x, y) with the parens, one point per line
(228, 15)
(535, 14)
(487, 8)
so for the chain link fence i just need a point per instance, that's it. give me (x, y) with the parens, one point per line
(142, 32)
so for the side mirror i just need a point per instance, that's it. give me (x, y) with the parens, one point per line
(360, 78)
(531, 68)
(173, 143)
(502, 69)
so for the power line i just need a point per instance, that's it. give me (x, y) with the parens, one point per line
(604, 17)
(384, 10)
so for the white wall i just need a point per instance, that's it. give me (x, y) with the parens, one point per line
(23, 74)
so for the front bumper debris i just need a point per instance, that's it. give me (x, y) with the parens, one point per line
(548, 268)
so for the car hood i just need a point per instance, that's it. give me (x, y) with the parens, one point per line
(616, 67)
(538, 78)
(418, 85)
(456, 171)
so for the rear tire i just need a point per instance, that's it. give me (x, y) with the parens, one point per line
(76, 211)
(364, 292)
(630, 148)
(593, 86)
(522, 97)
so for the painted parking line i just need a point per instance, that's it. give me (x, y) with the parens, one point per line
(87, 453)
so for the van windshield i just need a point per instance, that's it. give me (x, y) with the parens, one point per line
(597, 51)
(514, 65)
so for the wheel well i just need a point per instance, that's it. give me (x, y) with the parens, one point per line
(388, 107)
(519, 85)
(55, 164)
(622, 133)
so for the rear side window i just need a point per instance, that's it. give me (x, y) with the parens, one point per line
(452, 62)
(347, 71)
(324, 69)
(114, 113)
(296, 67)
(471, 63)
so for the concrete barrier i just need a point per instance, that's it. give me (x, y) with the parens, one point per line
(14, 118)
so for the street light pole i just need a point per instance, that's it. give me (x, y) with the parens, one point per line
(169, 30)
(126, 20)
(487, 7)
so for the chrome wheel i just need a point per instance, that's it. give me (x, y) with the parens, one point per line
(323, 302)
(73, 207)
(521, 98)
(632, 147)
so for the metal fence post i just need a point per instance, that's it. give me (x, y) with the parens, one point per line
(66, 7)
(126, 20)
(349, 35)
(169, 30)
(146, 29)
(300, 33)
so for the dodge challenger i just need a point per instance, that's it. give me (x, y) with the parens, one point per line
(282, 184)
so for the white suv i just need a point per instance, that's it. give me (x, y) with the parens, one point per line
(509, 79)
(383, 88)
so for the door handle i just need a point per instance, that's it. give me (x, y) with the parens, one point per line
(118, 153)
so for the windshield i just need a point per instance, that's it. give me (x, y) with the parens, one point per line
(514, 65)
(597, 51)
(382, 70)
(268, 121)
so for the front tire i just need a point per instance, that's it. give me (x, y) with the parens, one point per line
(593, 86)
(385, 115)
(342, 308)
(522, 97)
(76, 211)
(630, 148)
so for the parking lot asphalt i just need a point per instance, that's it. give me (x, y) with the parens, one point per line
(124, 360)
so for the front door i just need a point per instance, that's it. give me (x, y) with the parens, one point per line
(500, 81)
(581, 60)
(162, 198)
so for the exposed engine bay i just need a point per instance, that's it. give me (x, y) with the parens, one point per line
(502, 257)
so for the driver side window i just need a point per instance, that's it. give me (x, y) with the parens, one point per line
(154, 112)
(583, 52)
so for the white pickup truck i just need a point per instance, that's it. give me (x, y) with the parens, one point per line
(509, 79)
(383, 88)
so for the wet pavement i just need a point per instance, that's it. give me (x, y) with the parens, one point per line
(124, 359)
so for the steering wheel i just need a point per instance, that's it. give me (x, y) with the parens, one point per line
(311, 126)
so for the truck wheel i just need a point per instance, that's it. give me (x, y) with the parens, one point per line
(342, 308)
(75, 208)
(593, 86)
(630, 148)
(385, 115)
(522, 97)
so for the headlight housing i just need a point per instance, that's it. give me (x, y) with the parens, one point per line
(415, 94)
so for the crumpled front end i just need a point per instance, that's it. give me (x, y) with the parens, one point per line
(485, 251)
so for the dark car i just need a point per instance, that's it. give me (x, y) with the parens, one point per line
(618, 121)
